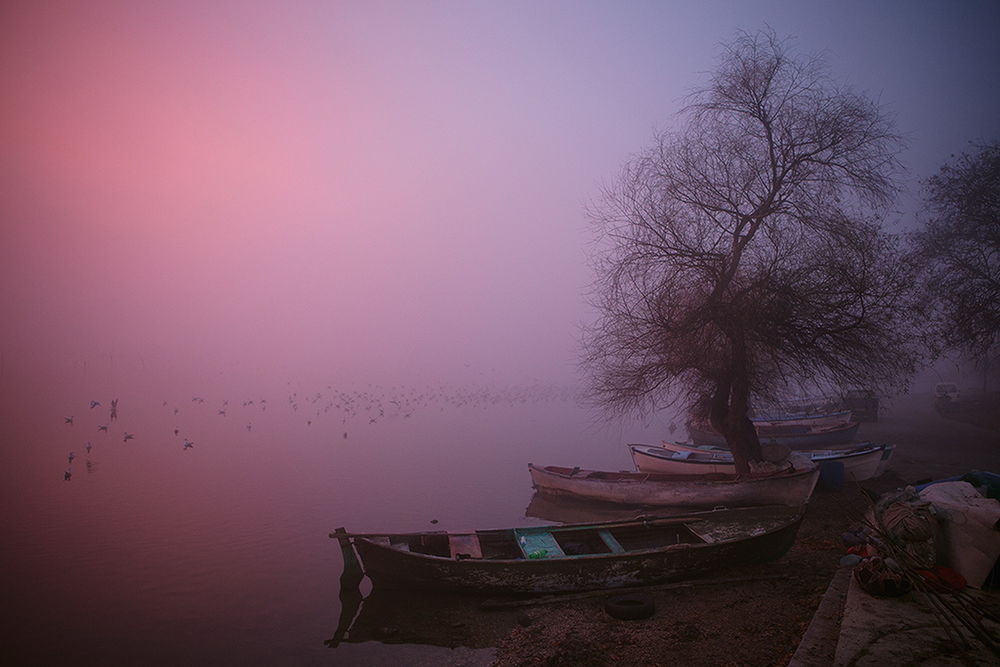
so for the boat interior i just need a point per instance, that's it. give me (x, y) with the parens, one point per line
(547, 542)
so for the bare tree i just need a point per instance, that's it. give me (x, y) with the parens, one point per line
(959, 249)
(741, 254)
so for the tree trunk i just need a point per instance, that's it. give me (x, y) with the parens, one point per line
(742, 437)
(728, 413)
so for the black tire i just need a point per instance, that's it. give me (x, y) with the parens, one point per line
(630, 606)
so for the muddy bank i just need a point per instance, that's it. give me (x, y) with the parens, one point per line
(760, 618)
(753, 615)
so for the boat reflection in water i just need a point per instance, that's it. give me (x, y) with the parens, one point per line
(560, 509)
(388, 616)
(449, 620)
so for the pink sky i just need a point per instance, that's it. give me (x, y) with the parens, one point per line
(387, 189)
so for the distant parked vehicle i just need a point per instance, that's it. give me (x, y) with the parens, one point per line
(947, 391)
(863, 404)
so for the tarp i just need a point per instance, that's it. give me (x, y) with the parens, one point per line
(970, 521)
(988, 482)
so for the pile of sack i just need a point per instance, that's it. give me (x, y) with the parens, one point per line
(947, 533)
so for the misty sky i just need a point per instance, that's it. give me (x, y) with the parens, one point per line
(381, 190)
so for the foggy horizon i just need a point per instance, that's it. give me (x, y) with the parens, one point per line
(383, 193)
(268, 269)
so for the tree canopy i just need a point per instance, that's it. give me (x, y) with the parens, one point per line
(741, 254)
(959, 249)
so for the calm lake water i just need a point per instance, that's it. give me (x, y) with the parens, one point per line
(156, 554)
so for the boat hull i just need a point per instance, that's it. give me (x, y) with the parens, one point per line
(860, 463)
(642, 489)
(391, 568)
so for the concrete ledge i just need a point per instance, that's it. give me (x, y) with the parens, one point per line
(819, 644)
(904, 631)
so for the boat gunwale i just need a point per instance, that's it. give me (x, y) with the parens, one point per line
(713, 479)
(803, 416)
(827, 456)
(794, 517)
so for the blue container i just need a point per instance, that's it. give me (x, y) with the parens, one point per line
(831, 474)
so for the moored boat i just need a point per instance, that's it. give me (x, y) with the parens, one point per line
(578, 557)
(794, 436)
(802, 419)
(860, 462)
(790, 486)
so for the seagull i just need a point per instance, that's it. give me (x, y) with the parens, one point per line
(68, 420)
(177, 431)
(128, 436)
(89, 446)
(188, 444)
(94, 404)
(68, 475)
(103, 427)
(72, 455)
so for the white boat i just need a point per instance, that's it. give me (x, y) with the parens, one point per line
(792, 487)
(861, 462)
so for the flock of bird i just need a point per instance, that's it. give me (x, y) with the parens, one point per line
(348, 407)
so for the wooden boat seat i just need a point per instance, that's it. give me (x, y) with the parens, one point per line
(466, 544)
(386, 541)
(538, 542)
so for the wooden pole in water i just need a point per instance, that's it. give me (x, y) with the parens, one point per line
(352, 566)
(350, 588)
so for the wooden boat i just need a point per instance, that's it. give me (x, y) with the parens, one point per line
(794, 436)
(863, 461)
(578, 557)
(788, 487)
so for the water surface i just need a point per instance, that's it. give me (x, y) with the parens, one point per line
(218, 553)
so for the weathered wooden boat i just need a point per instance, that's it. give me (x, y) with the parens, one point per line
(578, 557)
(860, 462)
(790, 486)
(794, 436)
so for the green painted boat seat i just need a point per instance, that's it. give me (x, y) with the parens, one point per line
(538, 543)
